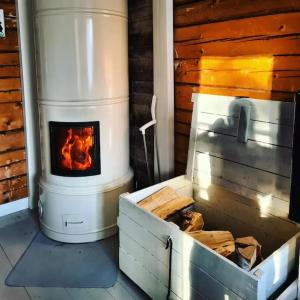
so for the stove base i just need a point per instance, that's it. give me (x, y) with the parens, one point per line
(79, 215)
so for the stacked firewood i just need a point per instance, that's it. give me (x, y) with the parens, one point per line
(168, 205)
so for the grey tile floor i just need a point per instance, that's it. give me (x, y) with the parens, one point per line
(10, 251)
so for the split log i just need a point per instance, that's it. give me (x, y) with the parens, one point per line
(158, 198)
(220, 241)
(192, 221)
(172, 207)
(248, 252)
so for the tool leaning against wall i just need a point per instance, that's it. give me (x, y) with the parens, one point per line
(143, 129)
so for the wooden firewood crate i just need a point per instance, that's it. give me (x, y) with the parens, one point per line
(238, 172)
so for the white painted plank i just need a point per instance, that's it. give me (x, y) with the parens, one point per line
(192, 280)
(266, 203)
(181, 184)
(258, 180)
(261, 110)
(253, 154)
(276, 268)
(245, 210)
(245, 287)
(265, 132)
(9, 293)
(290, 293)
(147, 281)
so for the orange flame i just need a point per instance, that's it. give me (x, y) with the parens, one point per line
(76, 149)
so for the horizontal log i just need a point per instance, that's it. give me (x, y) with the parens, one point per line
(183, 116)
(10, 23)
(257, 27)
(261, 63)
(182, 2)
(9, 9)
(13, 195)
(9, 59)
(18, 194)
(288, 45)
(12, 140)
(181, 148)
(11, 116)
(7, 84)
(208, 11)
(12, 157)
(10, 42)
(287, 81)
(183, 94)
(13, 170)
(13, 184)
(140, 86)
(182, 128)
(179, 168)
(141, 98)
(10, 71)
(10, 96)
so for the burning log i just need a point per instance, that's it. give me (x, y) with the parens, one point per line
(220, 241)
(192, 221)
(248, 252)
(165, 202)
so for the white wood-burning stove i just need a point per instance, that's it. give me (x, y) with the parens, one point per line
(83, 100)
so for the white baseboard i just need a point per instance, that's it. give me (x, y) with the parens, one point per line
(11, 207)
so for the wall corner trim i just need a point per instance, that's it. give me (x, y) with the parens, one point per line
(163, 80)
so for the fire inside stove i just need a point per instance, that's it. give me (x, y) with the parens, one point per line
(75, 149)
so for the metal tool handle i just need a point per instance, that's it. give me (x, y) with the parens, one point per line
(169, 245)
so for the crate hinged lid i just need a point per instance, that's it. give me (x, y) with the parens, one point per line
(244, 145)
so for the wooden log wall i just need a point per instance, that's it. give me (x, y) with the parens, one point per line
(248, 48)
(140, 85)
(13, 180)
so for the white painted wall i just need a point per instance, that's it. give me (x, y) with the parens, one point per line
(27, 58)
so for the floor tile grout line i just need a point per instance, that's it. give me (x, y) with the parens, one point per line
(12, 266)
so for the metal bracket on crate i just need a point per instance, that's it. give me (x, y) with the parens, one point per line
(169, 245)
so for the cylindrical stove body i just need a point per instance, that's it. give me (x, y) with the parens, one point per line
(82, 67)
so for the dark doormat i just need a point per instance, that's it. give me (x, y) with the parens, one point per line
(47, 263)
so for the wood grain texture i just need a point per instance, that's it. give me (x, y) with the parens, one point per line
(208, 11)
(11, 116)
(10, 42)
(255, 27)
(11, 157)
(234, 48)
(140, 85)
(10, 96)
(12, 141)
(7, 84)
(13, 170)
(9, 59)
